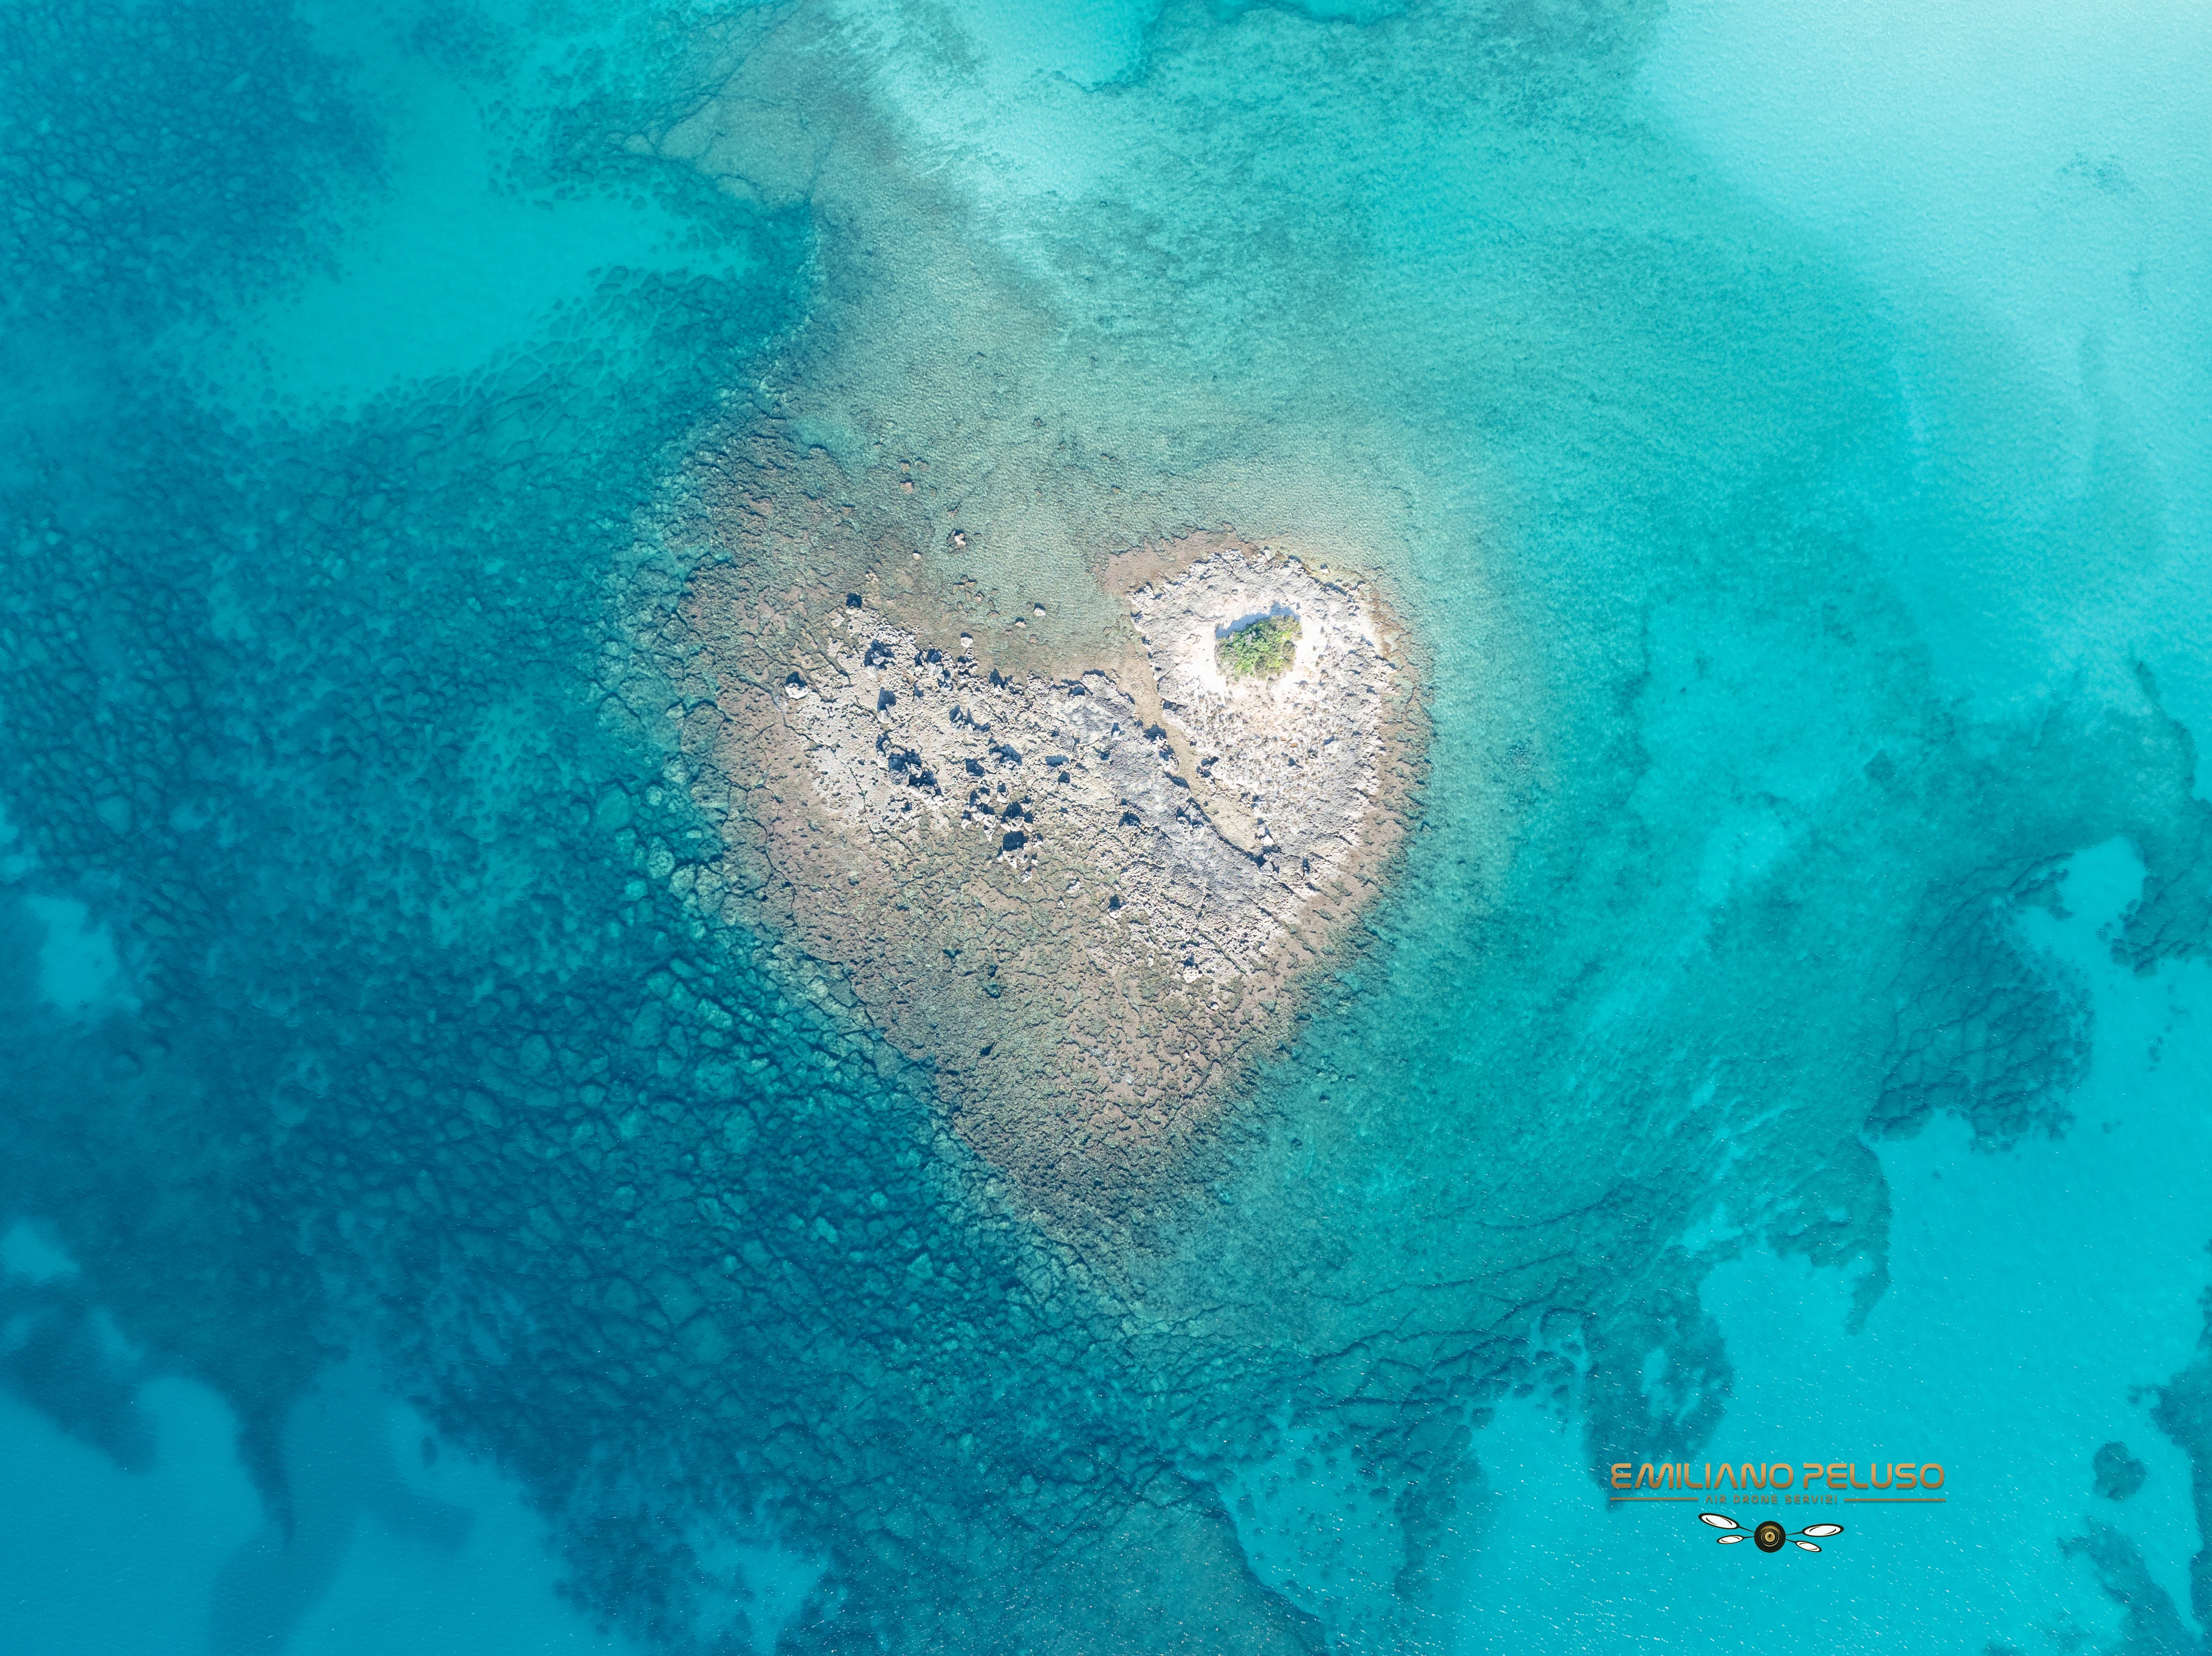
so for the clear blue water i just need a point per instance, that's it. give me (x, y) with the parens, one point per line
(1787, 429)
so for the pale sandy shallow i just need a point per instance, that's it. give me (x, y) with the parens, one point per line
(1082, 886)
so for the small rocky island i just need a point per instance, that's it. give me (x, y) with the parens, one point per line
(1080, 896)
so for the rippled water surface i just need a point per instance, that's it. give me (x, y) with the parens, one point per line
(441, 1210)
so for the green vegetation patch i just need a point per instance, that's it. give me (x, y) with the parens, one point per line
(1262, 650)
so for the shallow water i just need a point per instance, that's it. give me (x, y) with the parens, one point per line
(429, 1222)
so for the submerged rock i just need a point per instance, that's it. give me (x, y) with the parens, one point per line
(2119, 1474)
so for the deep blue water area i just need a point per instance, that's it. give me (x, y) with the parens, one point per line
(435, 1213)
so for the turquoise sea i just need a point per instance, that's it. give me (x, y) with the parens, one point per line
(1786, 430)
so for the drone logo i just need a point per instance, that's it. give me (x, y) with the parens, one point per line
(1770, 1535)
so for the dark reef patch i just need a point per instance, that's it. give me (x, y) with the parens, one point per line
(1986, 1029)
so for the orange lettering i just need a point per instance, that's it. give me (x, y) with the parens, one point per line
(1621, 1470)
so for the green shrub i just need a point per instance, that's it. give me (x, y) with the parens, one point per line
(1263, 650)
